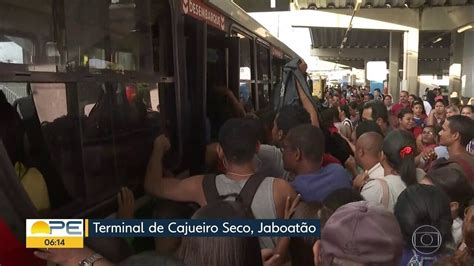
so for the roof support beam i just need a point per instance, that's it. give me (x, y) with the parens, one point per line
(351, 53)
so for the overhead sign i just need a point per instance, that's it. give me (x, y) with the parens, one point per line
(198, 10)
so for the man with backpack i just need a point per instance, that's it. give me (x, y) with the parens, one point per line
(265, 196)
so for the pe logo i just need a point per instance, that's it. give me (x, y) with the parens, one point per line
(426, 240)
(54, 233)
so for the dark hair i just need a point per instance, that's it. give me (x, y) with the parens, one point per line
(393, 144)
(419, 102)
(367, 126)
(345, 110)
(464, 126)
(258, 127)
(301, 248)
(452, 180)
(12, 130)
(379, 110)
(168, 209)
(290, 116)
(328, 116)
(267, 117)
(371, 96)
(403, 112)
(354, 105)
(440, 101)
(420, 205)
(436, 130)
(468, 106)
(309, 139)
(376, 89)
(340, 197)
(238, 140)
(216, 251)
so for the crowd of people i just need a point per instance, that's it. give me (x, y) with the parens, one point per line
(372, 171)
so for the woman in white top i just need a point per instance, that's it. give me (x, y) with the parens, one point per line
(385, 181)
(398, 162)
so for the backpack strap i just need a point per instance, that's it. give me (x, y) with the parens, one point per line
(247, 193)
(468, 170)
(385, 194)
(210, 189)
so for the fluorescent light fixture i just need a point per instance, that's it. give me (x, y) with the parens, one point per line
(455, 70)
(358, 4)
(438, 40)
(465, 28)
(272, 3)
(376, 70)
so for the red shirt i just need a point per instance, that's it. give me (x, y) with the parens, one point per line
(396, 108)
(329, 159)
(13, 252)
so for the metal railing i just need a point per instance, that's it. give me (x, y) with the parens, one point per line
(13, 93)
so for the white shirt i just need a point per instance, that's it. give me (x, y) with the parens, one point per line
(373, 190)
(456, 230)
(427, 106)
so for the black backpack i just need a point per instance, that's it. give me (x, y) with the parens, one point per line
(286, 92)
(245, 197)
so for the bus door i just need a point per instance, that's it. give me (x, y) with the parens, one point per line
(222, 63)
(195, 65)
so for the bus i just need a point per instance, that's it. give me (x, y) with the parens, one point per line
(95, 81)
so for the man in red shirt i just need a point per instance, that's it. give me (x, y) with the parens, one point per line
(396, 108)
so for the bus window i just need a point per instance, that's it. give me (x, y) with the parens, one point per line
(26, 29)
(247, 82)
(15, 50)
(277, 70)
(263, 70)
(105, 34)
(55, 95)
(117, 134)
(54, 139)
(13, 91)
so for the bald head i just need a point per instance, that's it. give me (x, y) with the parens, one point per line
(371, 143)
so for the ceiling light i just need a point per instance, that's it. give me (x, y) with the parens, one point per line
(406, 5)
(465, 28)
(438, 40)
(358, 4)
(272, 3)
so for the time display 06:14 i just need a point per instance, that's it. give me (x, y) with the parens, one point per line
(54, 242)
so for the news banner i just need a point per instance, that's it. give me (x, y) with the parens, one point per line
(70, 233)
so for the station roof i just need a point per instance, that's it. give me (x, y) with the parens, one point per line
(323, 4)
(284, 5)
(373, 45)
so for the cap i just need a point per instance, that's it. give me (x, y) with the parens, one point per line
(362, 232)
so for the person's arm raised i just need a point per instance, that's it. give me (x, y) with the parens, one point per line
(308, 105)
(430, 120)
(187, 190)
